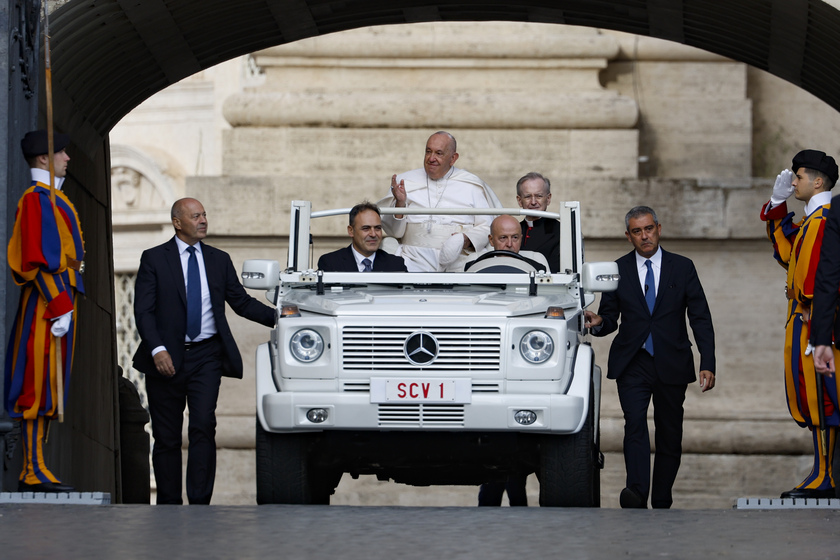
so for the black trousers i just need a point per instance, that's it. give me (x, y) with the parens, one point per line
(195, 386)
(637, 386)
(490, 493)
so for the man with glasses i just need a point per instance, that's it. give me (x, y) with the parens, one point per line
(542, 235)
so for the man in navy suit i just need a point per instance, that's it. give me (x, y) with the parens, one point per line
(363, 254)
(186, 347)
(651, 356)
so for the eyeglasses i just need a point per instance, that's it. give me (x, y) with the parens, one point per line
(529, 197)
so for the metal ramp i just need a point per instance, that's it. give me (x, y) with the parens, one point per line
(788, 503)
(56, 498)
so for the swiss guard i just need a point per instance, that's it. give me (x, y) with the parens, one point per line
(45, 255)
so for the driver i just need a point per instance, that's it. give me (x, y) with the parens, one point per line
(506, 235)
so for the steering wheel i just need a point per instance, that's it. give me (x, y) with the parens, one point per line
(509, 262)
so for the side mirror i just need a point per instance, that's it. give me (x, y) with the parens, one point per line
(600, 277)
(260, 274)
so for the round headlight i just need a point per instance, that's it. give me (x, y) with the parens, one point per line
(306, 345)
(536, 347)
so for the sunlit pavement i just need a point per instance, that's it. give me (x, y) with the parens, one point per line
(129, 531)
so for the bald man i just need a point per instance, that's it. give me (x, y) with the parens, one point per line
(506, 235)
(187, 347)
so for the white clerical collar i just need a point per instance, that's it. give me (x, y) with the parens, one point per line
(819, 199)
(446, 176)
(43, 176)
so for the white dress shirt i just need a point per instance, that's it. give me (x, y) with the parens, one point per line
(656, 265)
(360, 257)
(208, 322)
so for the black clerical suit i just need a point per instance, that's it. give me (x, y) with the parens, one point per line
(543, 237)
(665, 375)
(160, 311)
(343, 260)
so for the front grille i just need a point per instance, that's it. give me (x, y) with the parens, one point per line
(421, 415)
(356, 387)
(381, 349)
(485, 387)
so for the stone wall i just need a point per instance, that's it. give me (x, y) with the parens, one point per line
(614, 121)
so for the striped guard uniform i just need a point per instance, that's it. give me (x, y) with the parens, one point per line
(797, 248)
(42, 244)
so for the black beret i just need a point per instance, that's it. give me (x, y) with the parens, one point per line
(35, 143)
(815, 159)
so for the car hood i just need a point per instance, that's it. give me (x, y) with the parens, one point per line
(375, 301)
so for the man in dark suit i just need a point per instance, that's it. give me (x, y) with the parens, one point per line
(541, 235)
(825, 320)
(187, 346)
(363, 254)
(651, 355)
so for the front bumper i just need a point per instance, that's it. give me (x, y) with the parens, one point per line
(283, 412)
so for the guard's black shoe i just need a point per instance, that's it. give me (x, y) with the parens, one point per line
(44, 487)
(629, 498)
(809, 493)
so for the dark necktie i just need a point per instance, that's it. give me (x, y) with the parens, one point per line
(193, 296)
(650, 298)
(368, 265)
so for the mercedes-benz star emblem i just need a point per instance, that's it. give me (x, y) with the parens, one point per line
(421, 348)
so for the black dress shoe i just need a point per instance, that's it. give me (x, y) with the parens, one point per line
(44, 487)
(808, 493)
(631, 499)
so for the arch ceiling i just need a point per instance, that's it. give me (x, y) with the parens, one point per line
(110, 55)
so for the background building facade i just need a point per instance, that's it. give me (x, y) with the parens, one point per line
(614, 120)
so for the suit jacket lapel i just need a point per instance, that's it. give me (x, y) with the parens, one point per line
(173, 260)
(632, 274)
(211, 269)
(664, 277)
(350, 260)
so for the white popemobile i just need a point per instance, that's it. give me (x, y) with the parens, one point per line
(429, 378)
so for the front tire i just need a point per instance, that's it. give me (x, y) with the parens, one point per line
(569, 470)
(284, 472)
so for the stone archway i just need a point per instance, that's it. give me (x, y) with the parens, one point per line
(109, 56)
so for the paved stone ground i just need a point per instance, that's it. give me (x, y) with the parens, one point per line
(304, 532)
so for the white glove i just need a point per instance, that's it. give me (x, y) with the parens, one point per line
(451, 249)
(61, 325)
(783, 187)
